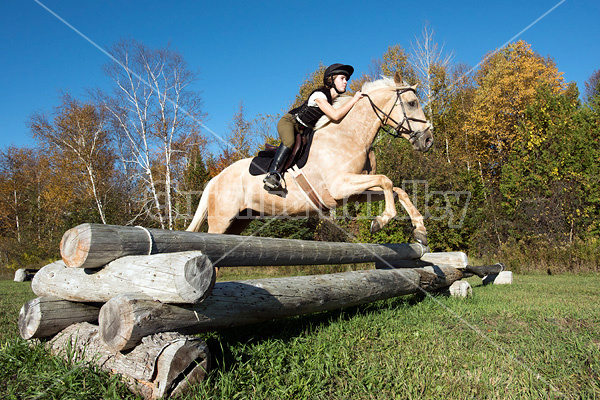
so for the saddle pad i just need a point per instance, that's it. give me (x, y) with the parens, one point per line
(261, 164)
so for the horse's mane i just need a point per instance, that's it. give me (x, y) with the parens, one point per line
(368, 87)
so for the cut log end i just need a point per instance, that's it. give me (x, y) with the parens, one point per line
(29, 319)
(198, 279)
(46, 316)
(115, 325)
(75, 245)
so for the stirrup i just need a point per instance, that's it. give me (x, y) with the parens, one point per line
(273, 181)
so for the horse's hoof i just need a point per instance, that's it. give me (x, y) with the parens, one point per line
(421, 238)
(375, 225)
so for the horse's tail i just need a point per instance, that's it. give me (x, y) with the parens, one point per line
(202, 210)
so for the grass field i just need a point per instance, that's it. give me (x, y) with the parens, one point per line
(537, 338)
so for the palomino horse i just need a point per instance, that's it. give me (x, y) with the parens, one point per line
(335, 164)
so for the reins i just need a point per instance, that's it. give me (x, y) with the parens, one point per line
(399, 129)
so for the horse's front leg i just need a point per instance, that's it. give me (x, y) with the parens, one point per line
(354, 184)
(415, 216)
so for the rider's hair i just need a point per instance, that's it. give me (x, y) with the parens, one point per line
(329, 80)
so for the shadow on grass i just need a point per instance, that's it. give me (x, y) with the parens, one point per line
(286, 329)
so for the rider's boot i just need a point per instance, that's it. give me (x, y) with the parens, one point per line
(273, 179)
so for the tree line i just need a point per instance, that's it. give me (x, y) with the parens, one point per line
(515, 167)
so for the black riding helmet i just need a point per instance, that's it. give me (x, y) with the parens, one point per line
(336, 69)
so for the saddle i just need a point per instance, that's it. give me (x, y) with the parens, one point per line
(261, 164)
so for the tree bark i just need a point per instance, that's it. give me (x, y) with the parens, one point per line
(125, 319)
(46, 316)
(94, 245)
(163, 365)
(186, 277)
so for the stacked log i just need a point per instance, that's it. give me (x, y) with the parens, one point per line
(147, 288)
(185, 277)
(163, 365)
(46, 316)
(125, 319)
(94, 245)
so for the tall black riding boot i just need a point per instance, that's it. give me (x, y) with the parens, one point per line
(273, 179)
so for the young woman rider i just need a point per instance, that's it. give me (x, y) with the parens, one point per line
(319, 103)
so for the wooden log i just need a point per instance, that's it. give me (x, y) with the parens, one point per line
(438, 276)
(46, 316)
(484, 270)
(455, 259)
(94, 245)
(125, 319)
(163, 365)
(185, 277)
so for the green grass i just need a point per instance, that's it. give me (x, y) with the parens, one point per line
(537, 338)
(12, 296)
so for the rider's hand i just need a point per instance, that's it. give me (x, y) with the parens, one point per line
(357, 96)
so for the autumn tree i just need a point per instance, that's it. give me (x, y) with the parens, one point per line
(238, 144)
(453, 92)
(312, 81)
(592, 87)
(156, 115)
(15, 183)
(394, 59)
(550, 183)
(77, 136)
(32, 219)
(195, 175)
(265, 128)
(506, 83)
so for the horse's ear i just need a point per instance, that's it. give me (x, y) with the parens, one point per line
(398, 78)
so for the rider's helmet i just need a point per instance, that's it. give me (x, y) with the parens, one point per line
(336, 69)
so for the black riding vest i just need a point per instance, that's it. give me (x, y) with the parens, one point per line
(310, 115)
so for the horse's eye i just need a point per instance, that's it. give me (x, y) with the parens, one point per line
(412, 103)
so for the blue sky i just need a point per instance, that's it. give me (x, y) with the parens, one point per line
(259, 52)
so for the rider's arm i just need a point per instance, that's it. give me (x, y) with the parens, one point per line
(335, 114)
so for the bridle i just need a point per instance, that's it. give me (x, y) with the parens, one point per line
(399, 129)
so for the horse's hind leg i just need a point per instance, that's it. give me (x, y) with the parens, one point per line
(237, 226)
(222, 217)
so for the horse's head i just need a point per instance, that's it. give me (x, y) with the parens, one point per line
(404, 114)
(412, 124)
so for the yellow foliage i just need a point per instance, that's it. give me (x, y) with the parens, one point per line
(507, 83)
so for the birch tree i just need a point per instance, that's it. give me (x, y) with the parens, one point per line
(78, 136)
(428, 60)
(431, 65)
(157, 115)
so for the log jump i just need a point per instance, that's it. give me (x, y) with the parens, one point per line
(148, 288)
